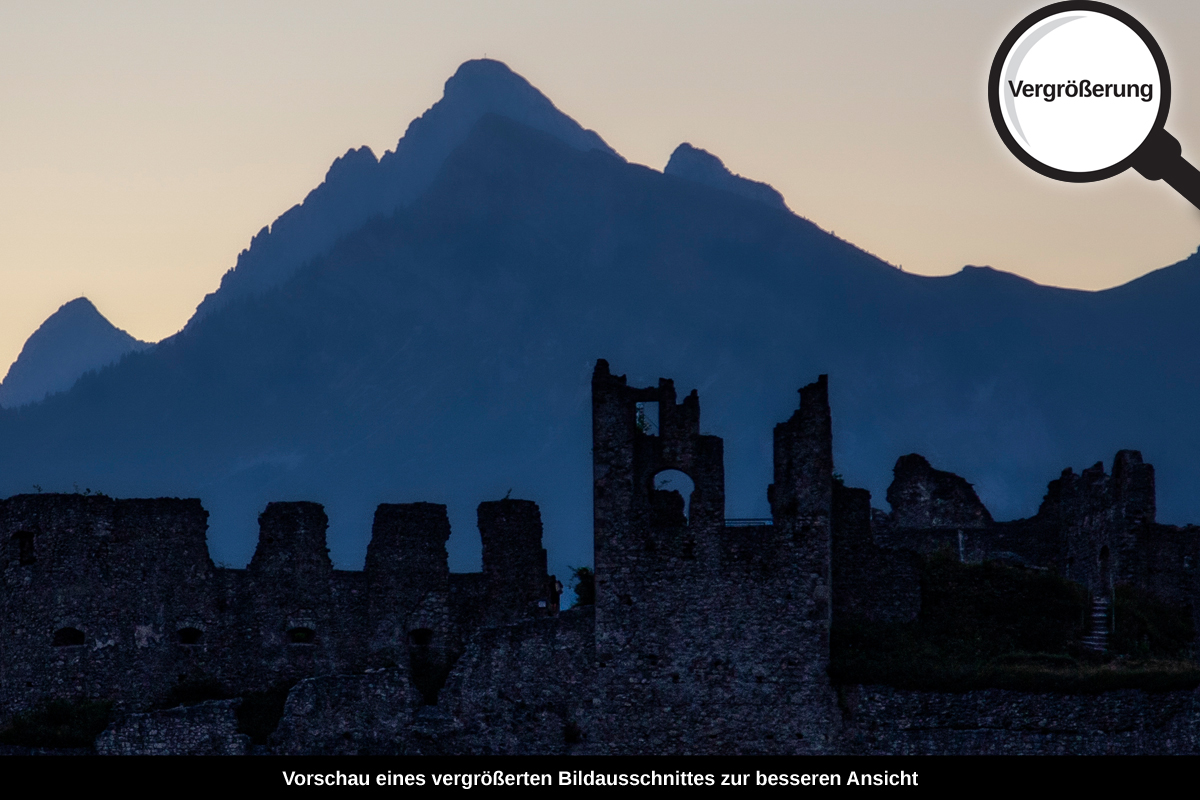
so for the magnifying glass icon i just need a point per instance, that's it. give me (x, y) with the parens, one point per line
(1079, 91)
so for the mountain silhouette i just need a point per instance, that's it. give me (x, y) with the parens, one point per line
(701, 166)
(359, 187)
(73, 340)
(443, 352)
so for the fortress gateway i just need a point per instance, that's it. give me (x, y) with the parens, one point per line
(707, 635)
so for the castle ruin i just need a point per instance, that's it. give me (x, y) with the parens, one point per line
(707, 635)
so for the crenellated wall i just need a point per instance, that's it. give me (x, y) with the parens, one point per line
(119, 600)
(95, 592)
(514, 563)
(705, 637)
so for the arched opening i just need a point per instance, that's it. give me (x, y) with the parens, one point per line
(671, 498)
(422, 637)
(301, 636)
(68, 637)
(189, 635)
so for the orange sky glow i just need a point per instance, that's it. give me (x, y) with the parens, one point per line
(145, 143)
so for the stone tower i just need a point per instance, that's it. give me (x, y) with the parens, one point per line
(709, 638)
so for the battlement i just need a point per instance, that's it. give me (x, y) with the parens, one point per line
(514, 563)
(119, 599)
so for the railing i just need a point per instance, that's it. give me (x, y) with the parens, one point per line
(747, 522)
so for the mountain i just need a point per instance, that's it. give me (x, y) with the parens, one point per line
(443, 352)
(359, 187)
(73, 340)
(701, 166)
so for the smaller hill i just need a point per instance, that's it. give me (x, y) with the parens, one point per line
(701, 166)
(73, 340)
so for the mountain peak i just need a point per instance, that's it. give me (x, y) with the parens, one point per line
(79, 307)
(701, 166)
(73, 340)
(487, 77)
(485, 68)
(486, 86)
(358, 187)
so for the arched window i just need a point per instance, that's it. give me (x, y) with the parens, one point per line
(671, 498)
(68, 637)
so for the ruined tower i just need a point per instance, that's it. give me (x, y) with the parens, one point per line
(717, 635)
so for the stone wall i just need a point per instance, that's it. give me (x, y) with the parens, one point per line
(94, 594)
(709, 639)
(704, 638)
(514, 563)
(869, 582)
(1093, 528)
(207, 729)
(119, 600)
(885, 721)
(526, 689)
(366, 714)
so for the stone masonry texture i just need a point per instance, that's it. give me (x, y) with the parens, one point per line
(705, 637)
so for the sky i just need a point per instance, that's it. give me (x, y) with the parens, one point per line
(142, 144)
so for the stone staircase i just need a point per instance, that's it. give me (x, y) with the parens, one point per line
(1097, 640)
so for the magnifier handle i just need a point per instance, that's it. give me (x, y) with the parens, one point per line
(1161, 158)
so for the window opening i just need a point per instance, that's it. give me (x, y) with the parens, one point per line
(190, 635)
(671, 497)
(25, 547)
(301, 635)
(68, 637)
(647, 418)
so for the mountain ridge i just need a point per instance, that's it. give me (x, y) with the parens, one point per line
(358, 186)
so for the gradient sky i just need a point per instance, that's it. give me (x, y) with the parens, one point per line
(143, 143)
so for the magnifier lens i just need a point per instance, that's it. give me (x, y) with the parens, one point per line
(1079, 91)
